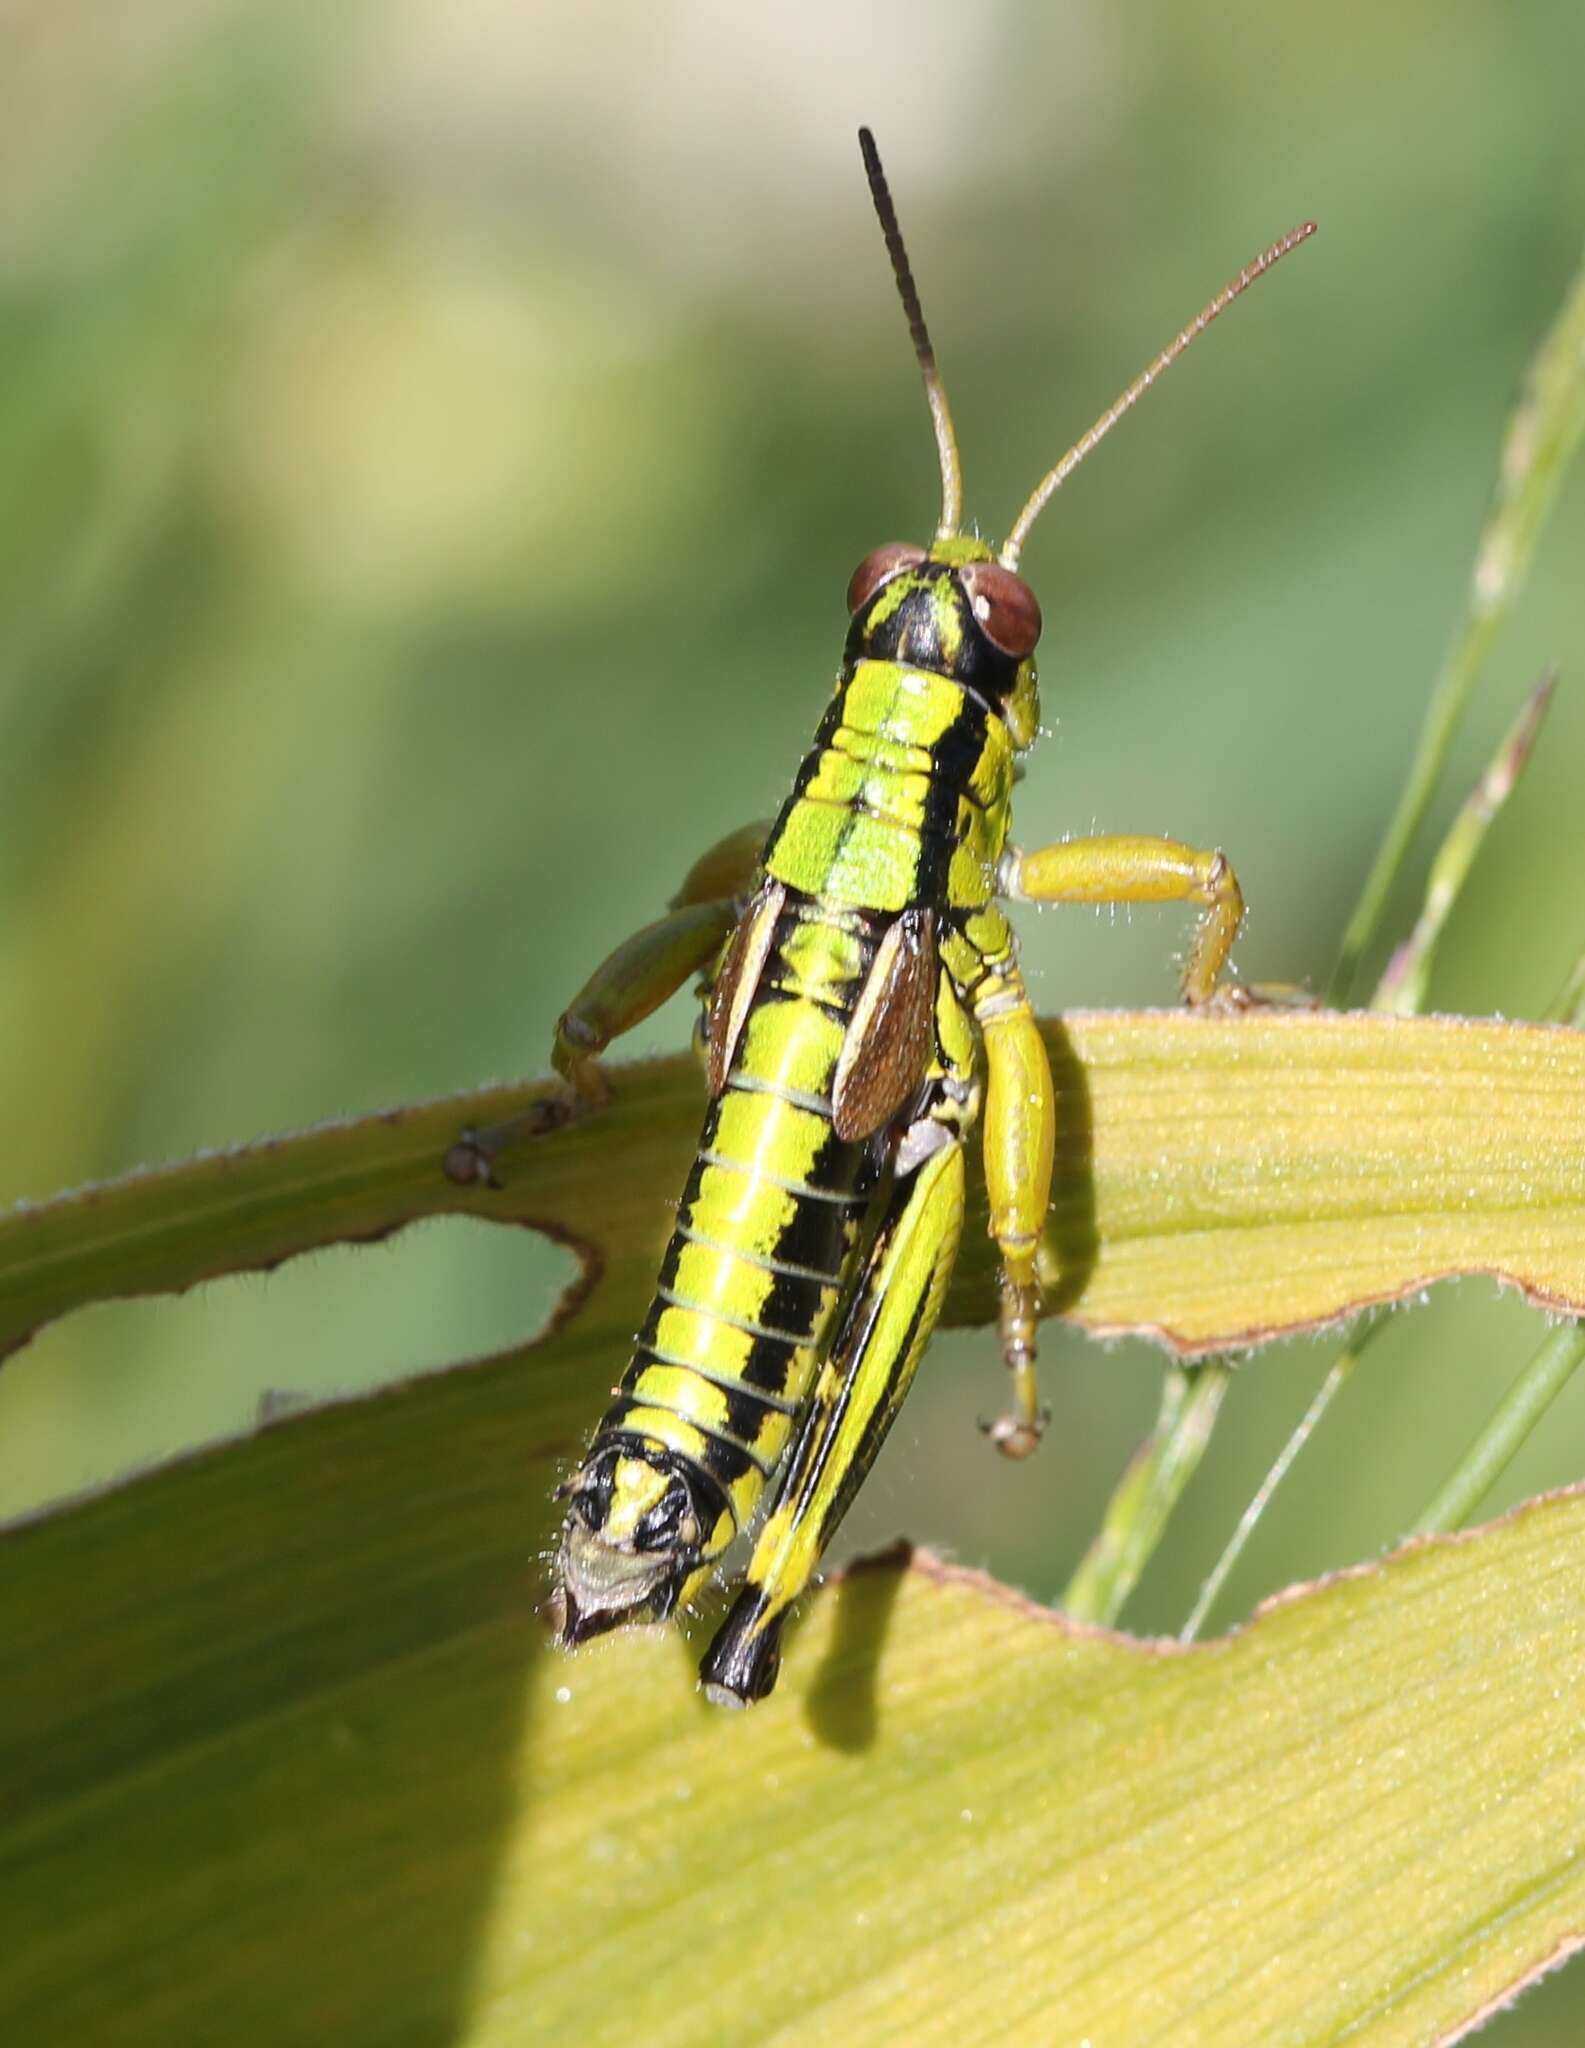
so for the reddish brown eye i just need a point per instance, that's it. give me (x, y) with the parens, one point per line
(1005, 607)
(877, 567)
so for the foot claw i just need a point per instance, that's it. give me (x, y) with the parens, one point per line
(1234, 998)
(1017, 1436)
(470, 1162)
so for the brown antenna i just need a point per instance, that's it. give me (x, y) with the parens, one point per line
(1053, 480)
(935, 390)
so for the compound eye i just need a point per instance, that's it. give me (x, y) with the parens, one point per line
(878, 567)
(1005, 608)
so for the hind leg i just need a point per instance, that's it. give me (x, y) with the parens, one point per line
(1019, 1144)
(855, 1401)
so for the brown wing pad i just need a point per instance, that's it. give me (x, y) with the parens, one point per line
(892, 1033)
(741, 967)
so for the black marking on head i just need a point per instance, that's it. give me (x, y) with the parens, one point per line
(924, 618)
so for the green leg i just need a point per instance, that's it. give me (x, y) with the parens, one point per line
(855, 1401)
(728, 868)
(631, 983)
(623, 990)
(655, 962)
(1130, 870)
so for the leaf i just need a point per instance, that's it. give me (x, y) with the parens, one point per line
(286, 1759)
(1362, 1814)
(1248, 1186)
(284, 1756)
(1540, 441)
(1220, 1180)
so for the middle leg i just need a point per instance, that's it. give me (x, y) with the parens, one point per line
(1119, 869)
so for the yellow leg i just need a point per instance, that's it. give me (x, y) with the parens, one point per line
(856, 1399)
(1132, 870)
(1020, 1145)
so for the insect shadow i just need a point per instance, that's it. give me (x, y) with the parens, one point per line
(1070, 1229)
(841, 1704)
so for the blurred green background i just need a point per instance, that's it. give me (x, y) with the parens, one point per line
(434, 440)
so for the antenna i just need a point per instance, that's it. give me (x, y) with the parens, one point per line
(1053, 480)
(935, 390)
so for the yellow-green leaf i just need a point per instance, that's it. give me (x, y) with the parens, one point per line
(284, 1755)
(340, 1790)
(966, 1821)
(1220, 1180)
(1256, 1175)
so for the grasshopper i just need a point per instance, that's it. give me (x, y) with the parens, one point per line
(864, 1011)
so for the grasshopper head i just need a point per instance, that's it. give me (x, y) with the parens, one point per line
(923, 610)
(954, 610)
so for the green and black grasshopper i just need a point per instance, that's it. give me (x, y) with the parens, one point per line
(864, 1011)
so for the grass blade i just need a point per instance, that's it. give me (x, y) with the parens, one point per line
(1539, 443)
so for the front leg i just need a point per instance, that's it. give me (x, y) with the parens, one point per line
(627, 986)
(1119, 869)
(653, 964)
(630, 984)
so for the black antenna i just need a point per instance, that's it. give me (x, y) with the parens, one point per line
(935, 390)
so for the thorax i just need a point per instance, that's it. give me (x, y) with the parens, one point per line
(903, 799)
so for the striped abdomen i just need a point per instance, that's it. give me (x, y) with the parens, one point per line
(899, 810)
(751, 1278)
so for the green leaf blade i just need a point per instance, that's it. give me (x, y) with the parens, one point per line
(1220, 1180)
(1362, 1812)
(283, 1752)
